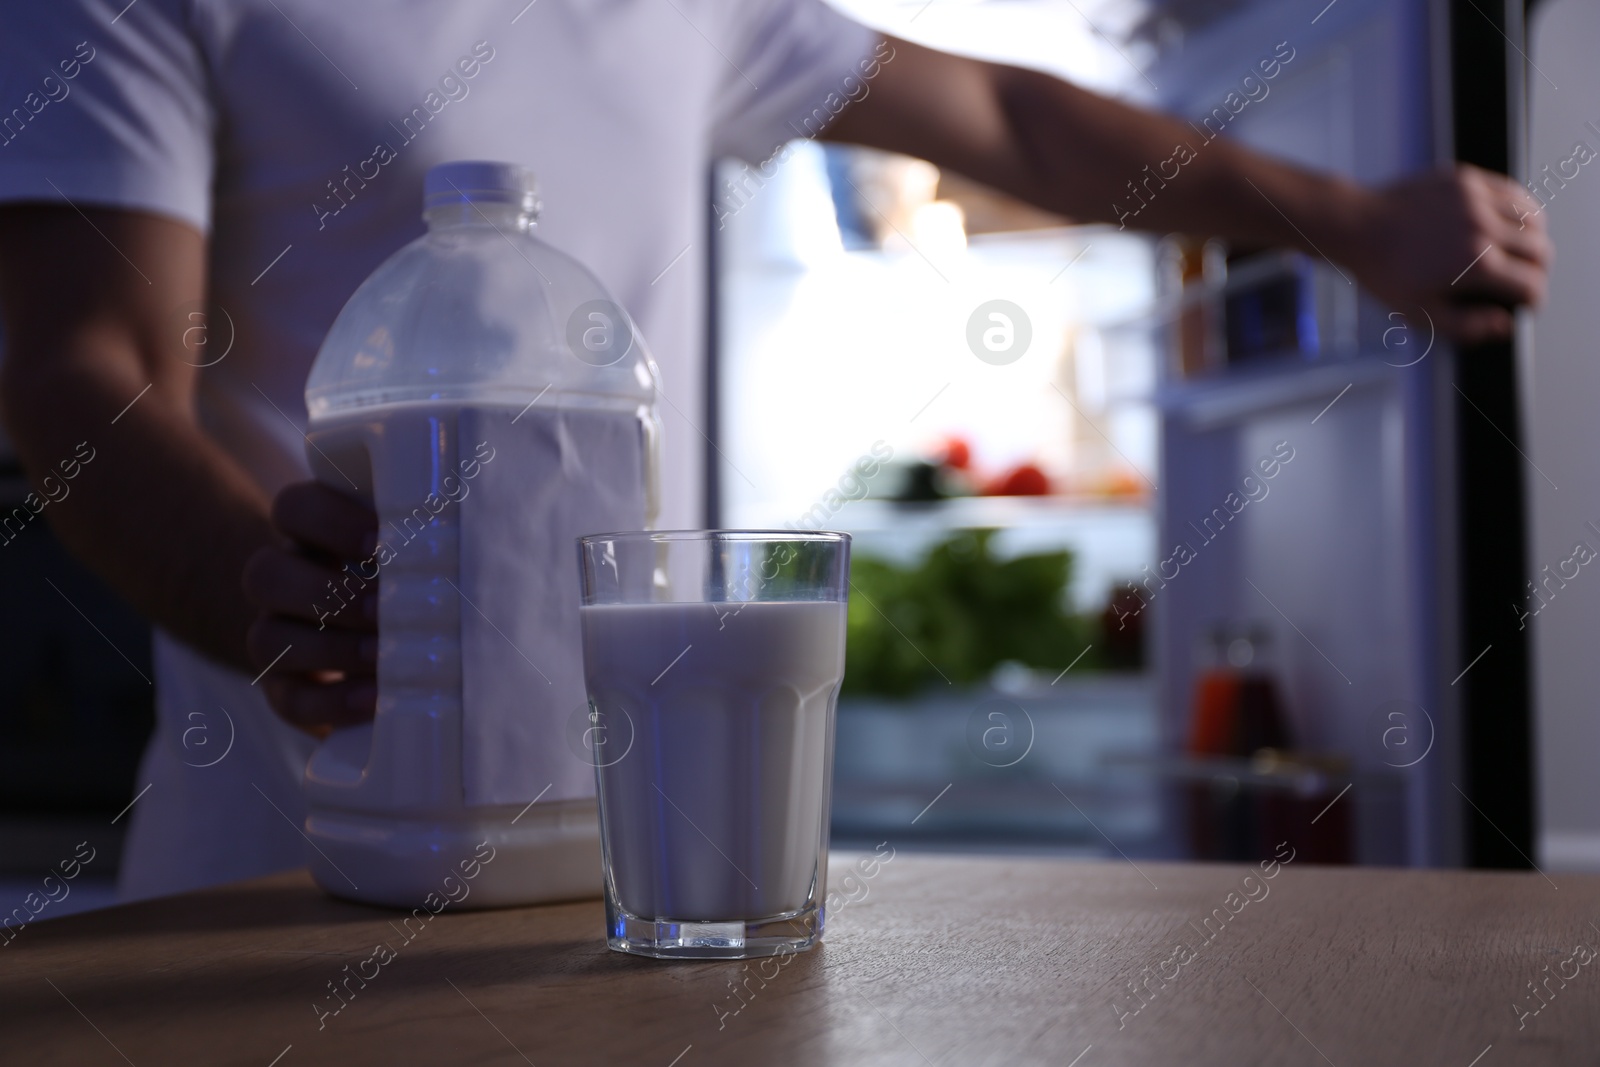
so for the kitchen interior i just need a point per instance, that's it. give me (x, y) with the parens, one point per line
(1035, 666)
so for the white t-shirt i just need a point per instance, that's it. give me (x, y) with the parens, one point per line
(296, 133)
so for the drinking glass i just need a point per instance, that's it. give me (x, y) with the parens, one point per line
(713, 660)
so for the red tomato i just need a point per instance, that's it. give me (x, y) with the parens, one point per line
(957, 454)
(1023, 480)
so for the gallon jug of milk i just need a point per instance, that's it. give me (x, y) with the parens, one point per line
(492, 402)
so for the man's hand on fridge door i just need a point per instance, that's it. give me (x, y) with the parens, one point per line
(1464, 245)
(316, 639)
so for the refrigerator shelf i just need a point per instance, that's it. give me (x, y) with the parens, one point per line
(1237, 395)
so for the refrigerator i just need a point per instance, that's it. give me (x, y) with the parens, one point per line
(1381, 561)
(1327, 477)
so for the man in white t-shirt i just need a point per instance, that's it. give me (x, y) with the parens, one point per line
(262, 156)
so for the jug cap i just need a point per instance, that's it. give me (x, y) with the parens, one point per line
(466, 181)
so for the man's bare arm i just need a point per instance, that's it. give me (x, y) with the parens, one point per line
(93, 306)
(1074, 152)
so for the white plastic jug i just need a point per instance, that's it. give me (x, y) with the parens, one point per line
(492, 402)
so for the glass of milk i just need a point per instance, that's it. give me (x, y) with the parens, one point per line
(713, 660)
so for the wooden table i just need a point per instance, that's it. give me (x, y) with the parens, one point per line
(941, 961)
